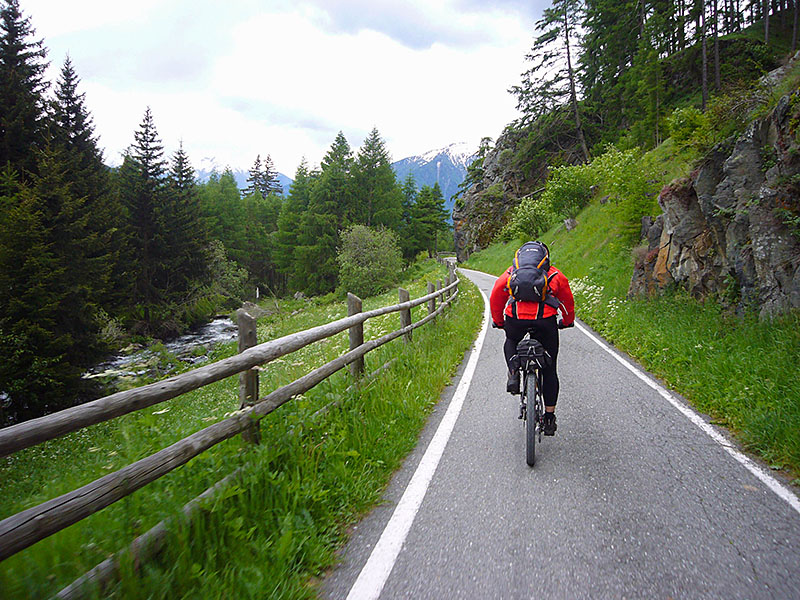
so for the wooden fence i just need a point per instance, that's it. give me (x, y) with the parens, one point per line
(25, 528)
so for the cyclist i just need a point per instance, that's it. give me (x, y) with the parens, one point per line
(541, 319)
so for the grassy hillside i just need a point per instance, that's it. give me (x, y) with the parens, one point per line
(312, 476)
(741, 372)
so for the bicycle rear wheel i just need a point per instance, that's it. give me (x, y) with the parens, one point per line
(531, 419)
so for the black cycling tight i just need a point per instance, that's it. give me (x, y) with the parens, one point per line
(544, 330)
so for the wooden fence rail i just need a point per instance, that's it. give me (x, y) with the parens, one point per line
(27, 527)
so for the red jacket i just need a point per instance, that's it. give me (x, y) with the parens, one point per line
(558, 285)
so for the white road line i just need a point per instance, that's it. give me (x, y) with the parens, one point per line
(765, 477)
(376, 571)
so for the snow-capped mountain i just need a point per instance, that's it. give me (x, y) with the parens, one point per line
(208, 165)
(447, 165)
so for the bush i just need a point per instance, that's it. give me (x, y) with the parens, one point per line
(531, 218)
(630, 180)
(688, 126)
(369, 260)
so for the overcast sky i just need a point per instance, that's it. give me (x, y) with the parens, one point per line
(239, 78)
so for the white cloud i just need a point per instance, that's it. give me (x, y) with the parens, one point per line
(284, 77)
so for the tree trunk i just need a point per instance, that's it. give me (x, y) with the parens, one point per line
(572, 93)
(717, 84)
(765, 10)
(705, 55)
(794, 29)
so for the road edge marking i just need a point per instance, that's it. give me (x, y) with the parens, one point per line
(380, 563)
(764, 476)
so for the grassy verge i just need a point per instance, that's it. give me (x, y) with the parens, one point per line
(740, 371)
(278, 527)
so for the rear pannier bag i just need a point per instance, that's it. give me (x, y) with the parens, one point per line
(530, 350)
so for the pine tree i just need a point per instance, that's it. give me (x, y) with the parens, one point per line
(379, 199)
(269, 179)
(143, 188)
(330, 206)
(72, 133)
(290, 219)
(184, 236)
(254, 178)
(48, 327)
(410, 192)
(551, 82)
(22, 88)
(429, 218)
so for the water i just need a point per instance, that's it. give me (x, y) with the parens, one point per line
(192, 348)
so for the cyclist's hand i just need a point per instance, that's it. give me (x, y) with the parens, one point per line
(496, 326)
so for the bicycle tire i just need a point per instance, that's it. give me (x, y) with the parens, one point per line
(531, 419)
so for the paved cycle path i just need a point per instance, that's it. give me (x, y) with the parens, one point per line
(630, 499)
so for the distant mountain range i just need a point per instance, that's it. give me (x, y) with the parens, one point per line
(209, 165)
(447, 166)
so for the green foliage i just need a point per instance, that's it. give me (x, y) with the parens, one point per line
(530, 218)
(369, 260)
(22, 87)
(689, 126)
(625, 175)
(274, 530)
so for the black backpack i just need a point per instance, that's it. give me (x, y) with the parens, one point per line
(529, 280)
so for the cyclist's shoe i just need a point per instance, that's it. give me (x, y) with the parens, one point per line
(512, 387)
(550, 423)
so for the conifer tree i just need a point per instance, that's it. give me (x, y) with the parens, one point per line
(269, 179)
(290, 220)
(331, 203)
(72, 134)
(184, 235)
(551, 82)
(143, 176)
(22, 88)
(48, 329)
(429, 218)
(254, 178)
(409, 191)
(379, 199)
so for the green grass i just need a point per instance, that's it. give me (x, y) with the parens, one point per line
(277, 529)
(741, 371)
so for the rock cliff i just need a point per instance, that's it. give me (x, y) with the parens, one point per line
(732, 229)
(480, 214)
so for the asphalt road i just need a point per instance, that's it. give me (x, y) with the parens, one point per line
(630, 499)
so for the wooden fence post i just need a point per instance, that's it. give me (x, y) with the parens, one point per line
(451, 275)
(356, 334)
(439, 289)
(405, 314)
(432, 301)
(248, 380)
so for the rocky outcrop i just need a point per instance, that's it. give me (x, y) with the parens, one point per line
(732, 230)
(480, 214)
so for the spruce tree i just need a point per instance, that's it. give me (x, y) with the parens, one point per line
(378, 197)
(429, 218)
(254, 178)
(290, 221)
(142, 190)
(183, 234)
(409, 191)
(22, 88)
(72, 134)
(331, 203)
(269, 179)
(48, 326)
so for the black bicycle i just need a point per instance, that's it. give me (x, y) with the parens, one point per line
(530, 359)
